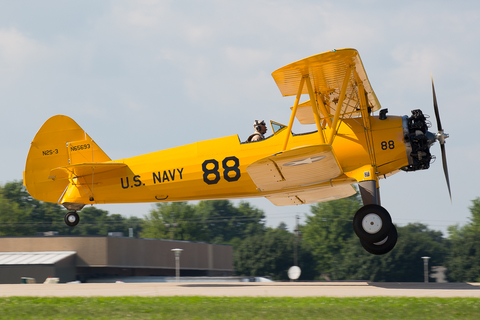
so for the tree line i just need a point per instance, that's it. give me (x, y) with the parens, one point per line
(325, 245)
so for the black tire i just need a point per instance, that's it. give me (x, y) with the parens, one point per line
(372, 223)
(382, 247)
(72, 219)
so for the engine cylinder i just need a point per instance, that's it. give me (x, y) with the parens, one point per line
(418, 141)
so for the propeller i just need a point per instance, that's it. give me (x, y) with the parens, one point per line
(441, 136)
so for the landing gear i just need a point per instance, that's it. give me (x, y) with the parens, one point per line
(72, 219)
(384, 246)
(373, 226)
(372, 223)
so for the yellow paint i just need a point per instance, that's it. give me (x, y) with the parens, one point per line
(178, 173)
(64, 165)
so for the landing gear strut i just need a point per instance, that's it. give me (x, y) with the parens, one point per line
(372, 223)
(72, 219)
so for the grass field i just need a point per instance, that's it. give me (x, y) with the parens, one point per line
(238, 308)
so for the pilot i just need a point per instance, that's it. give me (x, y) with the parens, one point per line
(260, 130)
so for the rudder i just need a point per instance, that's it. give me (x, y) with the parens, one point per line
(59, 142)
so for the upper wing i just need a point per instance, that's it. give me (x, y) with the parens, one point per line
(298, 167)
(330, 73)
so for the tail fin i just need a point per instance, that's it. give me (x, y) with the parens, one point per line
(60, 142)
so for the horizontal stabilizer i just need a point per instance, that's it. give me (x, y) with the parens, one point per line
(298, 167)
(83, 169)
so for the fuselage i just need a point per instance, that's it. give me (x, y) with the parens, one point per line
(216, 169)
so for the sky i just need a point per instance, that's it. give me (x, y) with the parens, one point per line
(141, 76)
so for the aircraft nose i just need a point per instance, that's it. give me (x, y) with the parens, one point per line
(432, 137)
(441, 136)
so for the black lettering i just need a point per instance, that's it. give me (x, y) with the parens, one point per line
(137, 180)
(125, 187)
(49, 152)
(157, 178)
(207, 172)
(233, 168)
(172, 176)
(165, 176)
(180, 173)
(389, 145)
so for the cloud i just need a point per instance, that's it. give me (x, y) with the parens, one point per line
(18, 52)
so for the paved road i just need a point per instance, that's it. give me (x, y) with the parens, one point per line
(273, 289)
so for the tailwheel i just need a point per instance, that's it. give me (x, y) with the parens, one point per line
(72, 219)
(372, 223)
(384, 246)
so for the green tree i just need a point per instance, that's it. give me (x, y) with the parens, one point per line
(463, 262)
(403, 264)
(251, 220)
(222, 222)
(174, 220)
(271, 254)
(22, 215)
(133, 222)
(329, 229)
(214, 221)
(13, 219)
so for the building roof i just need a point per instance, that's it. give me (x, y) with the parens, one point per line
(41, 257)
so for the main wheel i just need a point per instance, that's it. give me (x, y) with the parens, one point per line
(384, 246)
(72, 219)
(372, 223)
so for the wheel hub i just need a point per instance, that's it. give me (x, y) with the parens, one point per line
(71, 218)
(372, 223)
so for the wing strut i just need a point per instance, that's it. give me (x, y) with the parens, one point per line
(343, 93)
(294, 112)
(315, 109)
(366, 120)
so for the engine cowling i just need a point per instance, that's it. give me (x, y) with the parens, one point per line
(418, 141)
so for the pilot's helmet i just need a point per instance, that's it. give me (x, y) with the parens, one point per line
(257, 124)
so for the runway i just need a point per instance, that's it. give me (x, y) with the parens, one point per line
(238, 289)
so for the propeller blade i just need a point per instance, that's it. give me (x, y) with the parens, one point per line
(441, 136)
(445, 168)
(435, 107)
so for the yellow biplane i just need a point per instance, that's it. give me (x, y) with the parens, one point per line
(350, 146)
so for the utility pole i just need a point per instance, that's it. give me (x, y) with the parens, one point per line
(295, 271)
(295, 250)
(177, 252)
(425, 269)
